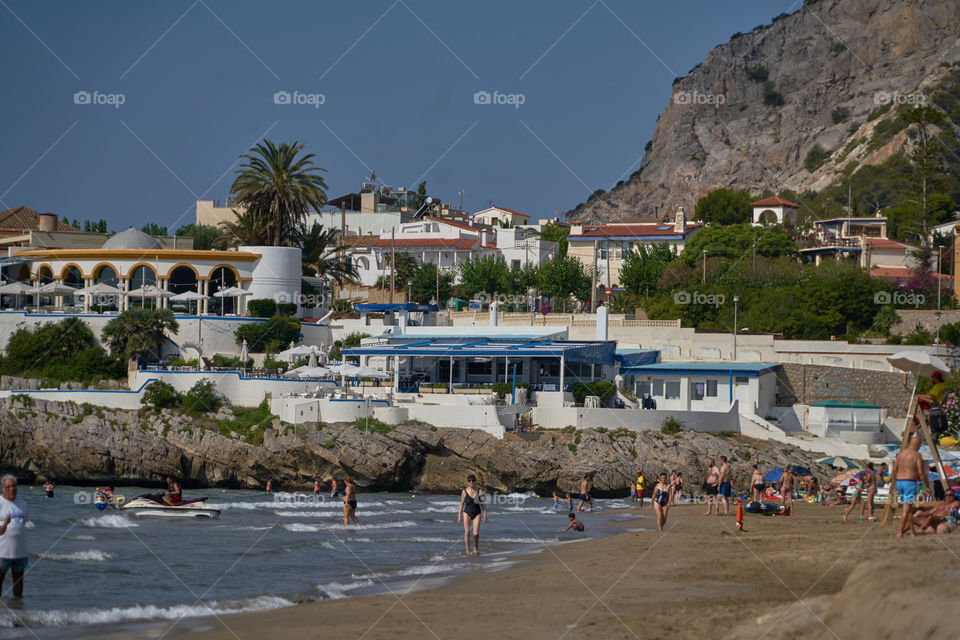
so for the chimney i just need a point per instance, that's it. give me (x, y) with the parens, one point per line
(680, 222)
(483, 238)
(603, 316)
(47, 221)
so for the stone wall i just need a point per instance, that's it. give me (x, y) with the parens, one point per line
(910, 318)
(808, 383)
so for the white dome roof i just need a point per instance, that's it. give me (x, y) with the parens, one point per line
(132, 239)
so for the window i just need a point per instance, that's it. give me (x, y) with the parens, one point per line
(697, 390)
(479, 368)
(603, 250)
(643, 388)
(658, 388)
(711, 388)
(626, 247)
(742, 380)
(671, 389)
(514, 264)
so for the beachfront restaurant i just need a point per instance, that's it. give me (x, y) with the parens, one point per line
(546, 364)
(705, 386)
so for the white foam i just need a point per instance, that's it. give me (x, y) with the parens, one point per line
(422, 570)
(100, 615)
(337, 590)
(299, 501)
(522, 540)
(299, 527)
(84, 538)
(113, 521)
(91, 555)
(402, 524)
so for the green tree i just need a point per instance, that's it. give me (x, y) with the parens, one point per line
(642, 268)
(58, 351)
(488, 274)
(421, 197)
(555, 233)
(273, 335)
(724, 206)
(161, 395)
(324, 257)
(153, 229)
(204, 236)
(279, 189)
(139, 332)
(406, 266)
(202, 397)
(738, 241)
(425, 284)
(563, 278)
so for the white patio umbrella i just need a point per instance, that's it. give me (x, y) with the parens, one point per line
(367, 372)
(52, 289)
(345, 369)
(313, 372)
(100, 289)
(244, 355)
(299, 351)
(312, 362)
(232, 292)
(17, 288)
(190, 296)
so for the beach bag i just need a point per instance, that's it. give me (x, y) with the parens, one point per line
(938, 419)
(762, 508)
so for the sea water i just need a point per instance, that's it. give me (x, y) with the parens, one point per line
(265, 551)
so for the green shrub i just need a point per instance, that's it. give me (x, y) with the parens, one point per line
(573, 448)
(161, 395)
(180, 362)
(59, 352)
(758, 73)
(247, 422)
(270, 363)
(262, 308)
(352, 340)
(220, 360)
(671, 426)
(376, 426)
(837, 48)
(287, 309)
(840, 114)
(815, 158)
(601, 388)
(772, 97)
(273, 335)
(879, 111)
(202, 397)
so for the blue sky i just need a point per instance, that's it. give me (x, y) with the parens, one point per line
(398, 80)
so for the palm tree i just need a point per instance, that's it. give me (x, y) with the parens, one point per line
(139, 332)
(323, 256)
(278, 189)
(246, 229)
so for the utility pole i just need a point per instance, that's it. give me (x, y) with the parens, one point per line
(593, 289)
(393, 263)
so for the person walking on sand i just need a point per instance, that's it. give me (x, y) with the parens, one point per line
(349, 501)
(870, 486)
(857, 498)
(787, 482)
(585, 493)
(711, 483)
(472, 509)
(662, 497)
(757, 484)
(13, 535)
(641, 486)
(908, 471)
(726, 487)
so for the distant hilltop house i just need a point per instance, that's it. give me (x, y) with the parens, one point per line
(775, 210)
(609, 244)
(500, 216)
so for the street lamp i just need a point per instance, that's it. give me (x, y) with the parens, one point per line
(937, 314)
(736, 299)
(704, 266)
(409, 289)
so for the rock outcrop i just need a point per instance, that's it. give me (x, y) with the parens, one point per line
(822, 70)
(75, 445)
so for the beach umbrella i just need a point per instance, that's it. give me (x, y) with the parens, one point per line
(774, 475)
(99, 289)
(52, 289)
(190, 296)
(300, 351)
(367, 372)
(232, 292)
(312, 362)
(839, 462)
(150, 291)
(345, 369)
(919, 363)
(313, 372)
(846, 475)
(16, 288)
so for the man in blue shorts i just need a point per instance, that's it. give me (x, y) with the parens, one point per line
(13, 543)
(726, 487)
(908, 471)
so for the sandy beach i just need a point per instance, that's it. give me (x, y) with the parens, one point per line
(805, 576)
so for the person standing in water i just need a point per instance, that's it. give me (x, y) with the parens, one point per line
(334, 493)
(48, 488)
(472, 508)
(349, 501)
(585, 494)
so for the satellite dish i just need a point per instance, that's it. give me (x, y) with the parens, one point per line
(429, 200)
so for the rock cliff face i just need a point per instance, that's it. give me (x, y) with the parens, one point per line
(58, 440)
(747, 116)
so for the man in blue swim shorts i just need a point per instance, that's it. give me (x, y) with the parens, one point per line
(908, 471)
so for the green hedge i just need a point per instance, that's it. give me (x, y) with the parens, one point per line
(273, 335)
(262, 308)
(600, 388)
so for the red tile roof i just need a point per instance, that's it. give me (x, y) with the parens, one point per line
(436, 243)
(775, 201)
(516, 213)
(360, 241)
(901, 272)
(26, 219)
(458, 224)
(610, 230)
(886, 243)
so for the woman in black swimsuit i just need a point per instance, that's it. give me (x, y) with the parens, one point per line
(471, 509)
(350, 502)
(677, 488)
(662, 497)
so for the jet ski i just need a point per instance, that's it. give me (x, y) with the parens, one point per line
(150, 504)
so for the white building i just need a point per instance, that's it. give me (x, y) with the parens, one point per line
(497, 216)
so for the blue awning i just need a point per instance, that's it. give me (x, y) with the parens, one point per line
(637, 357)
(749, 370)
(399, 306)
(588, 352)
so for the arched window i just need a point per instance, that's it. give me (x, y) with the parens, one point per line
(46, 274)
(72, 277)
(142, 276)
(222, 278)
(107, 275)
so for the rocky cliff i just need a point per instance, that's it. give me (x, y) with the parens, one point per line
(750, 113)
(76, 446)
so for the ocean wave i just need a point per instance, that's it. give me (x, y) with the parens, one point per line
(406, 572)
(400, 524)
(338, 512)
(523, 540)
(100, 615)
(83, 538)
(299, 527)
(91, 555)
(113, 521)
(301, 501)
(337, 590)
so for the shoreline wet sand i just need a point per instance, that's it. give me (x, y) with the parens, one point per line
(805, 576)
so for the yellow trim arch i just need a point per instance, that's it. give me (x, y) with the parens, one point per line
(137, 266)
(170, 271)
(95, 272)
(230, 267)
(64, 268)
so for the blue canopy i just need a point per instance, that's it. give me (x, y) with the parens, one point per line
(774, 475)
(399, 306)
(588, 352)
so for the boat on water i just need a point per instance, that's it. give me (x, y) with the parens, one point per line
(150, 504)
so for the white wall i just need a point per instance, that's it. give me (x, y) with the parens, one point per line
(633, 419)
(239, 391)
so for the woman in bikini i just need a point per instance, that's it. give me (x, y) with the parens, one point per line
(786, 490)
(758, 484)
(472, 508)
(662, 497)
(349, 501)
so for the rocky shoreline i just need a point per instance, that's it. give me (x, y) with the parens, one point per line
(76, 445)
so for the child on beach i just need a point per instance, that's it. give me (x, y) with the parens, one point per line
(556, 500)
(569, 502)
(575, 524)
(316, 486)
